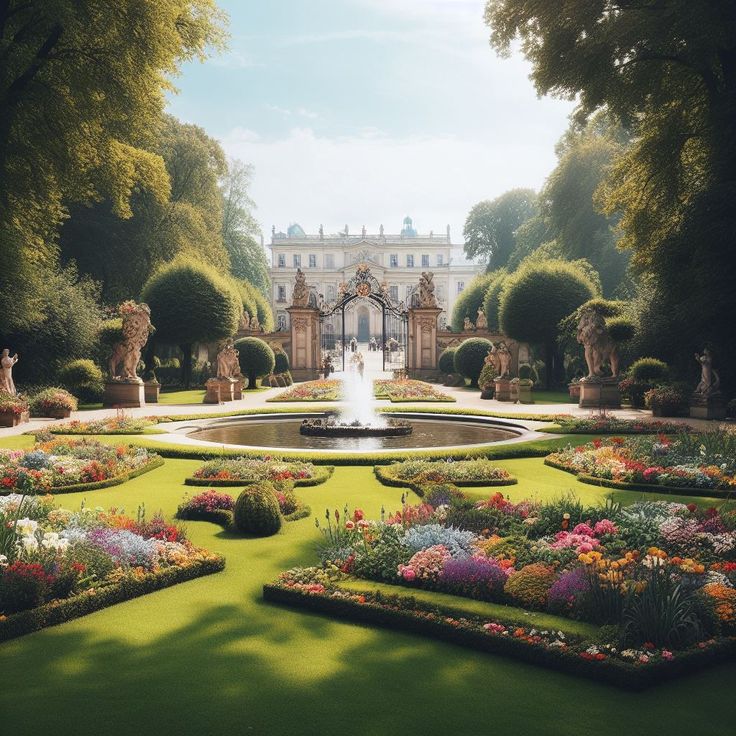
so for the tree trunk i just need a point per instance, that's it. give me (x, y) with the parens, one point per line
(186, 365)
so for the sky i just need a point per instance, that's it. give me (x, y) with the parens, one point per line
(361, 112)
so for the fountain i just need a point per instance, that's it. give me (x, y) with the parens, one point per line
(358, 418)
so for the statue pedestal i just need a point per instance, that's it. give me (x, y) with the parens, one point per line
(707, 407)
(423, 356)
(305, 358)
(525, 387)
(574, 389)
(602, 393)
(150, 390)
(124, 394)
(238, 389)
(219, 390)
(504, 389)
(8, 419)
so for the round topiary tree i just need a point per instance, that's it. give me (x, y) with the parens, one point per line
(470, 358)
(281, 362)
(257, 510)
(191, 303)
(649, 370)
(446, 363)
(84, 379)
(534, 301)
(256, 359)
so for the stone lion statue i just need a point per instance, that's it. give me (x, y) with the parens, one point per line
(599, 347)
(126, 353)
(426, 290)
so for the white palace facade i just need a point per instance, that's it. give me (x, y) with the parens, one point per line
(330, 260)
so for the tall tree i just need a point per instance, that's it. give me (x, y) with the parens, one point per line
(491, 224)
(667, 68)
(240, 230)
(120, 252)
(82, 87)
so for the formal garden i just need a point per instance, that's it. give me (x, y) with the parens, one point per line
(367, 484)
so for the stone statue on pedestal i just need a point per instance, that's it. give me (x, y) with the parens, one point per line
(126, 354)
(504, 360)
(6, 377)
(710, 381)
(493, 359)
(426, 290)
(468, 326)
(300, 295)
(599, 347)
(481, 323)
(254, 326)
(244, 322)
(228, 365)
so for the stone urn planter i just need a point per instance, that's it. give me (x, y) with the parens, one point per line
(487, 393)
(151, 390)
(525, 387)
(11, 419)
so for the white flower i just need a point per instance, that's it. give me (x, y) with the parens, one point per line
(29, 544)
(25, 527)
(51, 540)
(3, 561)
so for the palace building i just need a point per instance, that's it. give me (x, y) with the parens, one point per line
(398, 260)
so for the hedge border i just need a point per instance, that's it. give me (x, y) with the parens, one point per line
(317, 480)
(224, 518)
(413, 622)
(639, 487)
(380, 471)
(152, 464)
(558, 429)
(59, 612)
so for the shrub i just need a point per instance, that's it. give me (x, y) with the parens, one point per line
(84, 379)
(52, 400)
(12, 404)
(23, 585)
(485, 379)
(446, 362)
(257, 510)
(568, 592)
(281, 362)
(530, 586)
(256, 359)
(667, 401)
(527, 373)
(649, 370)
(470, 300)
(470, 358)
(620, 329)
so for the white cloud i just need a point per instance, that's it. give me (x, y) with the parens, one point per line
(372, 178)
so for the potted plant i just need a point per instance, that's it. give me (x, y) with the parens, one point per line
(485, 381)
(666, 401)
(525, 384)
(56, 403)
(13, 410)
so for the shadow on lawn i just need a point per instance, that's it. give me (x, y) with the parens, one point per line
(281, 672)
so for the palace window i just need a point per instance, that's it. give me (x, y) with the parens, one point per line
(393, 291)
(440, 259)
(282, 260)
(330, 260)
(281, 297)
(393, 260)
(460, 286)
(297, 260)
(331, 292)
(410, 261)
(312, 260)
(281, 322)
(425, 261)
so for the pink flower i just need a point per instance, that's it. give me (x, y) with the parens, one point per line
(604, 526)
(349, 524)
(407, 573)
(583, 529)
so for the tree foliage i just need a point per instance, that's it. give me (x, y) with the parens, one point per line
(191, 303)
(491, 224)
(470, 301)
(492, 299)
(667, 71)
(82, 87)
(470, 357)
(534, 301)
(256, 358)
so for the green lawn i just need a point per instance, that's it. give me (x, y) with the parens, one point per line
(541, 396)
(210, 657)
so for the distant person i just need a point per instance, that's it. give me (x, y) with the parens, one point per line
(361, 365)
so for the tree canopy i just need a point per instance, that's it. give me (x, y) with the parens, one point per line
(491, 224)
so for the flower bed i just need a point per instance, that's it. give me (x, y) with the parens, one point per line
(218, 507)
(13, 409)
(57, 564)
(696, 464)
(66, 466)
(659, 578)
(238, 471)
(109, 425)
(398, 390)
(417, 473)
(308, 588)
(568, 424)
(329, 390)
(53, 402)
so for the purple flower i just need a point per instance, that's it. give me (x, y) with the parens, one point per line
(566, 591)
(474, 576)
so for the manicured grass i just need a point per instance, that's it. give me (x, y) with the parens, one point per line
(210, 657)
(192, 396)
(467, 607)
(542, 396)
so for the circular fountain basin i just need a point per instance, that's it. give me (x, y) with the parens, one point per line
(282, 432)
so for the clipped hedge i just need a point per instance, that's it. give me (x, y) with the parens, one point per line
(446, 363)
(387, 477)
(61, 611)
(470, 357)
(257, 510)
(325, 473)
